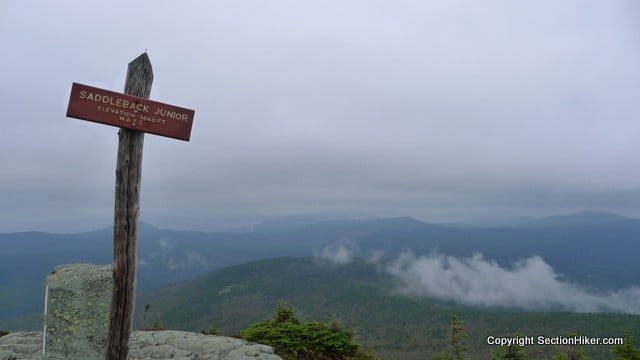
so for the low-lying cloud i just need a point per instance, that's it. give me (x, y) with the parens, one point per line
(166, 255)
(187, 260)
(529, 284)
(339, 252)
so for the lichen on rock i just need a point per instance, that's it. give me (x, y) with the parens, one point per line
(77, 315)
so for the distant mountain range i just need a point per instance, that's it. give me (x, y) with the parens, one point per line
(584, 218)
(596, 250)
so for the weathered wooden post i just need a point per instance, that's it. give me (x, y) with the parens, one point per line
(134, 114)
(125, 222)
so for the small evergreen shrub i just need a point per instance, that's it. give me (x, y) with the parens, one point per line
(295, 339)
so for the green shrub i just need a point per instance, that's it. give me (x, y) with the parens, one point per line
(294, 339)
(158, 326)
(212, 331)
(627, 350)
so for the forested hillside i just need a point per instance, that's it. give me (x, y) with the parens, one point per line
(395, 325)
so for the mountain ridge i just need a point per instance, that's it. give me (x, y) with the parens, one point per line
(291, 223)
(600, 256)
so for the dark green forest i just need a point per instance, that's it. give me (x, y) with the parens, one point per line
(395, 326)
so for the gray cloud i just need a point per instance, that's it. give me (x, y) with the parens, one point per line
(530, 284)
(440, 111)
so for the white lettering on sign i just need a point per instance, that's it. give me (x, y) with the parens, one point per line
(121, 103)
(171, 114)
(136, 119)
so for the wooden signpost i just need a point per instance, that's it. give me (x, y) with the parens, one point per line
(135, 115)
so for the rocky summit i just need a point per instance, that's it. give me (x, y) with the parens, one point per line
(77, 317)
(152, 345)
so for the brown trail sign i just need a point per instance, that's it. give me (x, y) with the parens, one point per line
(135, 114)
(130, 112)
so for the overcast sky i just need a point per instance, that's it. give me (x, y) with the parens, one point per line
(441, 110)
